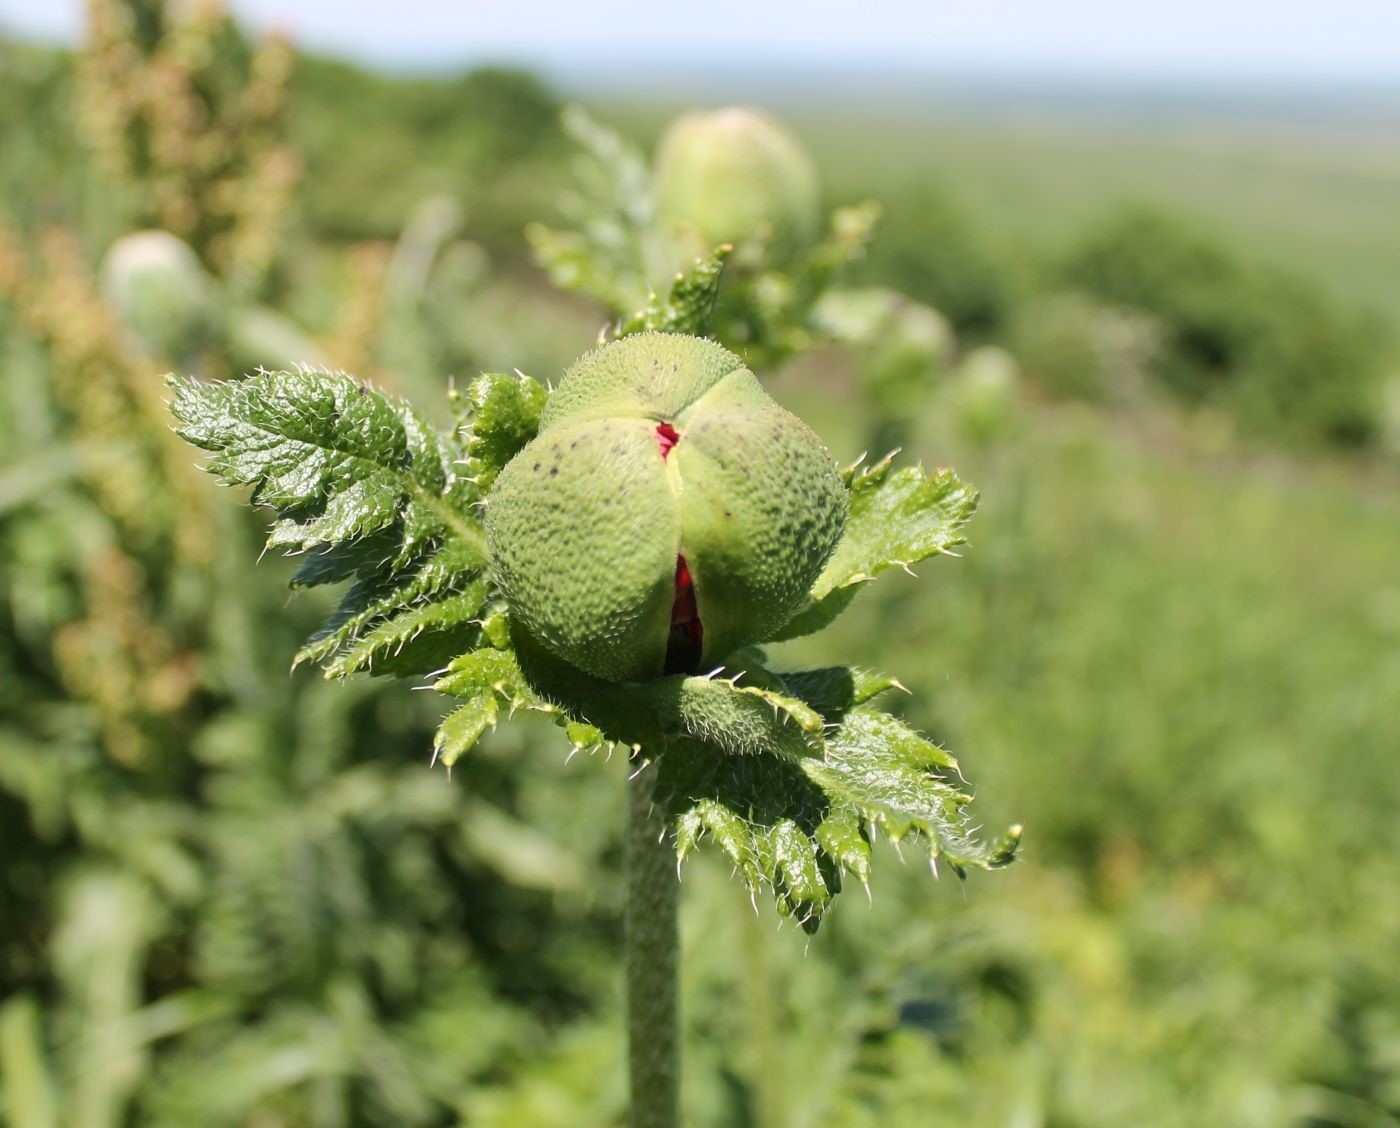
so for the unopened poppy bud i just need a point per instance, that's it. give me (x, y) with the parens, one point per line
(667, 514)
(161, 293)
(732, 176)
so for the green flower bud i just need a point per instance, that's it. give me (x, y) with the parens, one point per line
(160, 291)
(667, 514)
(984, 397)
(902, 345)
(731, 176)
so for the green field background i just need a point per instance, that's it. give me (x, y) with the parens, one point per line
(1171, 650)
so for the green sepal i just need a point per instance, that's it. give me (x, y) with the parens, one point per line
(505, 416)
(688, 305)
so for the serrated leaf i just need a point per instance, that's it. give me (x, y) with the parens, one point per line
(601, 253)
(415, 639)
(487, 670)
(755, 808)
(794, 824)
(791, 856)
(371, 603)
(370, 493)
(585, 738)
(886, 772)
(463, 727)
(337, 563)
(897, 519)
(833, 690)
(688, 305)
(843, 837)
(505, 416)
(336, 459)
(736, 719)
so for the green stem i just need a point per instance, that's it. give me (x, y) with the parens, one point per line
(652, 947)
(766, 1079)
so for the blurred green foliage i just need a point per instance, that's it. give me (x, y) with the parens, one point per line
(931, 249)
(230, 896)
(1268, 348)
(374, 146)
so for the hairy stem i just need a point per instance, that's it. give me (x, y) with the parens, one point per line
(652, 945)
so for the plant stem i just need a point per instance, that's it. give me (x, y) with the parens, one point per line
(650, 923)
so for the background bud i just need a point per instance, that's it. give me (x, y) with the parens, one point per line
(731, 176)
(985, 395)
(158, 288)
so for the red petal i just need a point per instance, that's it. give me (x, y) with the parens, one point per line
(666, 437)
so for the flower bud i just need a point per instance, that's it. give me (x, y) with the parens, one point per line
(732, 176)
(667, 514)
(984, 395)
(160, 291)
(902, 345)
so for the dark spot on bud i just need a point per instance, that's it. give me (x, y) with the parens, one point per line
(666, 437)
(687, 633)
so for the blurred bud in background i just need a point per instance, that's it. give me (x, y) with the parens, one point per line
(162, 295)
(735, 176)
(984, 397)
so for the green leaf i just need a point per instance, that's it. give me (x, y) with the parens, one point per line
(761, 811)
(688, 305)
(600, 253)
(379, 618)
(463, 727)
(897, 518)
(505, 416)
(833, 690)
(882, 770)
(336, 459)
(488, 670)
(793, 824)
(372, 495)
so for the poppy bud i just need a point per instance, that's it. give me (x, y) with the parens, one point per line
(667, 514)
(731, 176)
(160, 291)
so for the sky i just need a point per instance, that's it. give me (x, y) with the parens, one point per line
(1347, 41)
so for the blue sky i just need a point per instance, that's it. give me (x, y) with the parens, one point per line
(1269, 40)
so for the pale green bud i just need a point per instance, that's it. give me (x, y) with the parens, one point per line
(735, 176)
(985, 394)
(161, 293)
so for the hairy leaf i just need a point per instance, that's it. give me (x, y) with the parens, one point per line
(793, 824)
(505, 416)
(371, 494)
(688, 305)
(897, 518)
